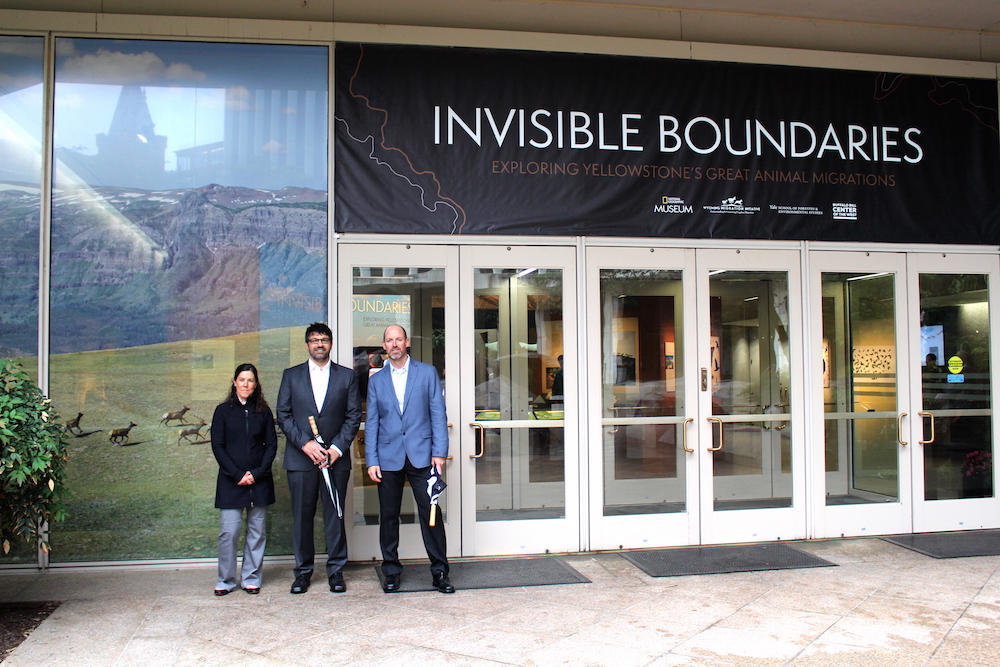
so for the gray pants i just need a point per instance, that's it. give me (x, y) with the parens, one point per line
(253, 549)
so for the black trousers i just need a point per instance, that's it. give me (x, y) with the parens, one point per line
(390, 498)
(305, 486)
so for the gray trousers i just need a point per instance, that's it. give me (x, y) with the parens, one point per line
(231, 521)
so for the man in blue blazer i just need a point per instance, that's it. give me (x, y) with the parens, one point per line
(406, 437)
(329, 393)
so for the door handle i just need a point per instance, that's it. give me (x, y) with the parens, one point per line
(480, 441)
(684, 434)
(931, 415)
(782, 407)
(719, 421)
(899, 429)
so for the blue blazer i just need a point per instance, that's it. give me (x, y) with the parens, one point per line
(419, 432)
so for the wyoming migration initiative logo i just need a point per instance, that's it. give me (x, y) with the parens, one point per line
(672, 205)
(732, 206)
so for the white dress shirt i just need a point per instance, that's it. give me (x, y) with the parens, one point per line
(399, 381)
(320, 378)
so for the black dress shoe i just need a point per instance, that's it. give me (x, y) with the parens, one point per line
(219, 592)
(252, 591)
(391, 584)
(337, 584)
(301, 584)
(442, 584)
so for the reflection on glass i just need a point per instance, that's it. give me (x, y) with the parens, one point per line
(188, 236)
(955, 351)
(21, 117)
(518, 342)
(750, 374)
(414, 299)
(642, 378)
(859, 388)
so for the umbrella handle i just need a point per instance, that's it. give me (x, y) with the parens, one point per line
(433, 515)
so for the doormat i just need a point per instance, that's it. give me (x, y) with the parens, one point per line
(718, 560)
(951, 545)
(499, 573)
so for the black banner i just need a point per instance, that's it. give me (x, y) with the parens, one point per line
(433, 140)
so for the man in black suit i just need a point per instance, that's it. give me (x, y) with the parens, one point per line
(328, 392)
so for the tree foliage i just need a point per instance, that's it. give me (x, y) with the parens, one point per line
(32, 459)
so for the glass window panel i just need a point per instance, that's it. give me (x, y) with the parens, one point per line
(954, 326)
(642, 377)
(750, 376)
(189, 219)
(414, 299)
(519, 357)
(21, 120)
(859, 388)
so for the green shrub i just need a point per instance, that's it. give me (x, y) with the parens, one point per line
(32, 459)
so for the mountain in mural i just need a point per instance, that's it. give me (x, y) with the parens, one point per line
(134, 267)
(18, 269)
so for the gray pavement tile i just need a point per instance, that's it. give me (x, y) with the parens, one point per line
(505, 645)
(742, 646)
(418, 656)
(547, 618)
(881, 606)
(196, 652)
(824, 654)
(576, 651)
(975, 637)
(340, 647)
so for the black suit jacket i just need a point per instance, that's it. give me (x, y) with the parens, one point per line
(338, 421)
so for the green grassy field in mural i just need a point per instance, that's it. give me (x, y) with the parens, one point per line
(151, 495)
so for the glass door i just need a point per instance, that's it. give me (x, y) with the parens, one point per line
(696, 411)
(519, 367)
(643, 473)
(415, 287)
(953, 322)
(750, 396)
(860, 393)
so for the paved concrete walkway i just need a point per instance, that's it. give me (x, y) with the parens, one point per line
(883, 605)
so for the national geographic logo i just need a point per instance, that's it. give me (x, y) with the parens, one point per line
(673, 205)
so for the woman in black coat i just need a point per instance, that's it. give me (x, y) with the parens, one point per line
(244, 443)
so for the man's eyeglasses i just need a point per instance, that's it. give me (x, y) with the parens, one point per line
(313, 341)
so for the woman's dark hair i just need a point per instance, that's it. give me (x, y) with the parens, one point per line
(257, 397)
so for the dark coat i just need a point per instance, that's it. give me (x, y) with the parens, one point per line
(338, 421)
(243, 440)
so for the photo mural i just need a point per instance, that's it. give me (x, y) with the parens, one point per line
(189, 235)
